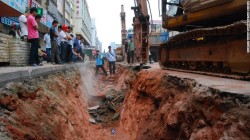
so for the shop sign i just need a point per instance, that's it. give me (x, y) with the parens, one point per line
(9, 20)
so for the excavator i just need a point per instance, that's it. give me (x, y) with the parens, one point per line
(212, 37)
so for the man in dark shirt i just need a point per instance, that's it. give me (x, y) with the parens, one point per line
(54, 46)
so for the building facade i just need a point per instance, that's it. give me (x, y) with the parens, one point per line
(10, 11)
(93, 34)
(53, 13)
(83, 21)
(158, 35)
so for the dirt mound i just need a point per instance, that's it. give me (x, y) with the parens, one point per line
(160, 106)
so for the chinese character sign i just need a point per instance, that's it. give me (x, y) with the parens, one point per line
(19, 5)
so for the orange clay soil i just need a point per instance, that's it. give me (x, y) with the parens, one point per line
(156, 107)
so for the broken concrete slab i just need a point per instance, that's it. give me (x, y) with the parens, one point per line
(92, 120)
(93, 108)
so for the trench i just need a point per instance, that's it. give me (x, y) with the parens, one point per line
(134, 105)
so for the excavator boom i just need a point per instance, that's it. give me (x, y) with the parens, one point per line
(141, 31)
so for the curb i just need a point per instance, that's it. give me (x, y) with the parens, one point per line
(35, 72)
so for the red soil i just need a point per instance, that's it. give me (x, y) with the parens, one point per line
(157, 106)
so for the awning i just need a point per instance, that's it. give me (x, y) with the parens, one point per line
(7, 11)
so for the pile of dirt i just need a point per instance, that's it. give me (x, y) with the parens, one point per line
(161, 106)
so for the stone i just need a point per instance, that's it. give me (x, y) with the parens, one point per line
(92, 120)
(93, 108)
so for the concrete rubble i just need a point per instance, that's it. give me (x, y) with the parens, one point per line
(108, 110)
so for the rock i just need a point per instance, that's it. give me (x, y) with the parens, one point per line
(93, 108)
(116, 116)
(92, 120)
(111, 105)
(201, 123)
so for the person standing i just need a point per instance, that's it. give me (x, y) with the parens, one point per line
(70, 47)
(23, 32)
(126, 51)
(99, 63)
(33, 37)
(111, 56)
(131, 47)
(83, 47)
(48, 45)
(64, 42)
(38, 18)
(53, 40)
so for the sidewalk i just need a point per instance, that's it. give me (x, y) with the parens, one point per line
(10, 74)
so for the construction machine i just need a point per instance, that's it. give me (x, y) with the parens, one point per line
(141, 31)
(213, 37)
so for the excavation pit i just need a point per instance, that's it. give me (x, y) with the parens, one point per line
(150, 104)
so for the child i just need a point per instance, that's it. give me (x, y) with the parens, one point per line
(99, 63)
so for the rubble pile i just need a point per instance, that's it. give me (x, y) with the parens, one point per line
(109, 108)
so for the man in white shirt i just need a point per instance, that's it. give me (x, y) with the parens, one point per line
(23, 32)
(111, 56)
(64, 42)
(71, 44)
(48, 44)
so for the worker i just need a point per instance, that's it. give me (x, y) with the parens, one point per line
(99, 63)
(111, 56)
(131, 47)
(126, 55)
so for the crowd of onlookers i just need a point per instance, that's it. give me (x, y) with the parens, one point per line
(62, 45)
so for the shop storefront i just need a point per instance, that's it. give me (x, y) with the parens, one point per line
(6, 22)
(10, 11)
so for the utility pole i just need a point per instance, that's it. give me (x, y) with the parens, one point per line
(123, 32)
